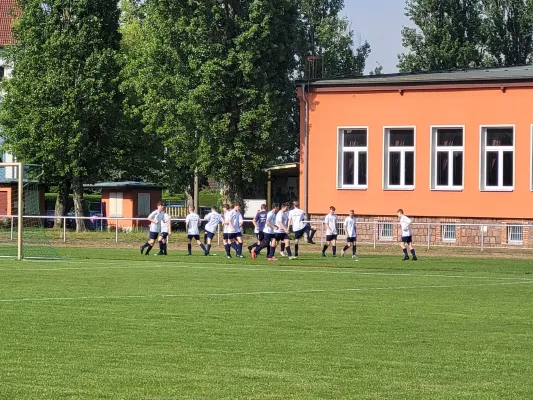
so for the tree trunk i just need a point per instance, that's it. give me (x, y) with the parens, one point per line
(61, 203)
(233, 193)
(77, 190)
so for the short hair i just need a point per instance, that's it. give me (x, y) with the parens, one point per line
(160, 203)
(236, 205)
(399, 211)
(191, 208)
(295, 203)
(332, 208)
(214, 208)
(275, 205)
(226, 206)
(263, 206)
(286, 205)
(352, 212)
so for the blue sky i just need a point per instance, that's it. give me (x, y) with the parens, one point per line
(380, 22)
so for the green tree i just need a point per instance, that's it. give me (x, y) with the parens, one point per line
(62, 105)
(448, 35)
(324, 33)
(509, 31)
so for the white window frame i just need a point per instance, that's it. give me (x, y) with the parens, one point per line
(435, 148)
(444, 227)
(500, 149)
(356, 150)
(381, 226)
(386, 150)
(511, 241)
(114, 196)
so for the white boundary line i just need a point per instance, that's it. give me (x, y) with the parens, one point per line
(262, 293)
(296, 269)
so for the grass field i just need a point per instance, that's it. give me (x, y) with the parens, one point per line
(111, 324)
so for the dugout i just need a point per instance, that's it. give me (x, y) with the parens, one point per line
(283, 183)
(128, 200)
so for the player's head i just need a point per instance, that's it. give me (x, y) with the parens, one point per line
(275, 207)
(400, 213)
(225, 207)
(352, 213)
(191, 209)
(236, 206)
(295, 203)
(285, 206)
(332, 210)
(214, 208)
(160, 206)
(263, 207)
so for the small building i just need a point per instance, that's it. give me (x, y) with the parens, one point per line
(128, 200)
(34, 204)
(453, 146)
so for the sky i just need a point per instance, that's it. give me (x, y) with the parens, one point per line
(380, 22)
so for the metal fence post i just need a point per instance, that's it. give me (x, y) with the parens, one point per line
(375, 228)
(429, 235)
(322, 235)
(64, 230)
(116, 230)
(12, 226)
(482, 238)
(218, 234)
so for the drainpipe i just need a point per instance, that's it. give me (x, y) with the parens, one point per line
(306, 151)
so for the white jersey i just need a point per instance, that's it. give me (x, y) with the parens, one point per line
(271, 217)
(165, 223)
(351, 228)
(213, 220)
(193, 220)
(331, 224)
(227, 222)
(282, 219)
(156, 218)
(297, 218)
(236, 220)
(406, 227)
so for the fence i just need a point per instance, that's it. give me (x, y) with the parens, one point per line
(376, 233)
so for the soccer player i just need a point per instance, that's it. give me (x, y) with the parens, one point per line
(350, 230)
(192, 226)
(268, 230)
(407, 236)
(229, 234)
(213, 220)
(282, 231)
(296, 220)
(155, 219)
(259, 223)
(330, 223)
(166, 231)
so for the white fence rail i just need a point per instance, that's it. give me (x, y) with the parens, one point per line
(375, 233)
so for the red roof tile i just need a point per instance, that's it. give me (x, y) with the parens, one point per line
(5, 21)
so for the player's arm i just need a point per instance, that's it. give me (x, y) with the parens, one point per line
(241, 221)
(345, 229)
(326, 220)
(152, 217)
(271, 225)
(187, 224)
(255, 220)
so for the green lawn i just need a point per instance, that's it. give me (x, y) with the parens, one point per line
(112, 324)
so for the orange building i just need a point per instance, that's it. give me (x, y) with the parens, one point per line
(442, 146)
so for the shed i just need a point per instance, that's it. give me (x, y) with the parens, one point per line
(33, 198)
(128, 200)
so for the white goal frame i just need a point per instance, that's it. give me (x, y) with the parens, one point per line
(20, 204)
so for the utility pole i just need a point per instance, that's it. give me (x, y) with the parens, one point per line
(196, 192)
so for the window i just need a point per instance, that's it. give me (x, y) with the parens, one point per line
(448, 232)
(515, 234)
(353, 156)
(143, 205)
(497, 158)
(115, 204)
(399, 158)
(385, 230)
(447, 154)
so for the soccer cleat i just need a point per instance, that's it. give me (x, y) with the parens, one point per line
(323, 254)
(240, 256)
(293, 258)
(406, 258)
(142, 249)
(415, 259)
(206, 253)
(282, 253)
(310, 242)
(159, 254)
(355, 259)
(189, 254)
(228, 257)
(254, 254)
(272, 259)
(334, 255)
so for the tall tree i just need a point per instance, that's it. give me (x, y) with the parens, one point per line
(509, 31)
(62, 105)
(324, 33)
(448, 35)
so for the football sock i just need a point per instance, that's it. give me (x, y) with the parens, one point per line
(271, 252)
(296, 246)
(228, 249)
(149, 248)
(202, 246)
(334, 248)
(313, 231)
(324, 248)
(209, 248)
(189, 248)
(234, 246)
(405, 252)
(346, 248)
(239, 249)
(161, 246)
(354, 250)
(413, 253)
(289, 252)
(282, 247)
(144, 246)
(260, 247)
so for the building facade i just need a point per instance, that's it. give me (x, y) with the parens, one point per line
(450, 147)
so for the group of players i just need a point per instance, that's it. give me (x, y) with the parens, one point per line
(272, 228)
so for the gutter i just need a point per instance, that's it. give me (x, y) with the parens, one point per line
(306, 150)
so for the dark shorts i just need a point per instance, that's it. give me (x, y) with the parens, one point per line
(281, 236)
(269, 237)
(238, 234)
(299, 234)
(351, 240)
(329, 238)
(195, 237)
(260, 236)
(154, 235)
(210, 235)
(164, 235)
(407, 239)
(230, 236)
